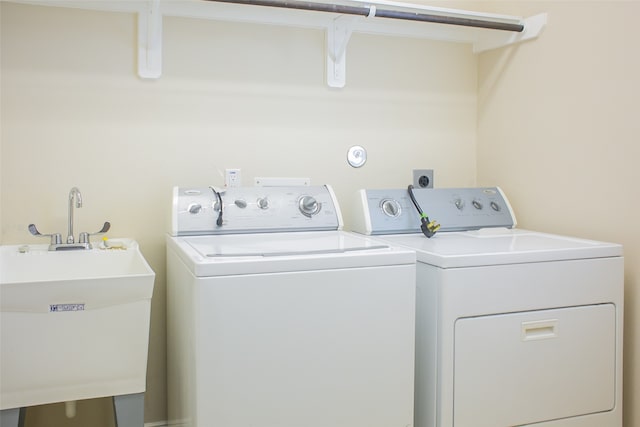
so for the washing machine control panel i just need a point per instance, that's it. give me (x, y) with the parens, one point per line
(456, 209)
(209, 210)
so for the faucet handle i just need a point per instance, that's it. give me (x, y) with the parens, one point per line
(105, 227)
(56, 238)
(84, 236)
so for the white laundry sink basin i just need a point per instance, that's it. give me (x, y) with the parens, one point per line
(74, 324)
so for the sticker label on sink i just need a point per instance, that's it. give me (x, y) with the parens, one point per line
(56, 308)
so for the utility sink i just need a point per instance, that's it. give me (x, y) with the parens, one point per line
(74, 324)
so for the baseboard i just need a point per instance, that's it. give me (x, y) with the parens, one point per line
(157, 424)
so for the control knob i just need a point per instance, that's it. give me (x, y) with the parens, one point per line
(263, 203)
(308, 206)
(194, 208)
(390, 208)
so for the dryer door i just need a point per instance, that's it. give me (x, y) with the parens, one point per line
(522, 368)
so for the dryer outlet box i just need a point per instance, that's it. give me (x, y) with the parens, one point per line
(423, 178)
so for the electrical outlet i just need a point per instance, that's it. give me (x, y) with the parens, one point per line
(232, 178)
(423, 178)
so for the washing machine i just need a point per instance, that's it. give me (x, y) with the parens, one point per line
(514, 327)
(276, 317)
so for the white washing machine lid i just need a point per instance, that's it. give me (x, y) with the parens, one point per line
(235, 254)
(499, 246)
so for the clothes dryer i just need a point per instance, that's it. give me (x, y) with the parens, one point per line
(514, 327)
(277, 317)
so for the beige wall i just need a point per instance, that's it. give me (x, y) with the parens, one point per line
(559, 126)
(74, 113)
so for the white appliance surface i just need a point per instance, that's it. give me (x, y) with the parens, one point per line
(513, 327)
(284, 252)
(283, 323)
(570, 352)
(494, 246)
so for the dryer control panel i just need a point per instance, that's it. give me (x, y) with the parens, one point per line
(209, 210)
(456, 209)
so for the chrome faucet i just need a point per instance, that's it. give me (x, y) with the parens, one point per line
(75, 198)
(73, 194)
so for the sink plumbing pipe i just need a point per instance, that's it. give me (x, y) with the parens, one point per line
(70, 408)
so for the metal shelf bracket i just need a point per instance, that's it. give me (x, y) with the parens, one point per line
(337, 37)
(150, 40)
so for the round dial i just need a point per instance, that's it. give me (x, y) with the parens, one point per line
(263, 203)
(308, 205)
(391, 208)
(194, 208)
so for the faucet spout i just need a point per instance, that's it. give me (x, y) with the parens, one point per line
(74, 194)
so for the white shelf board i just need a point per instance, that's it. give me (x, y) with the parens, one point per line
(338, 27)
